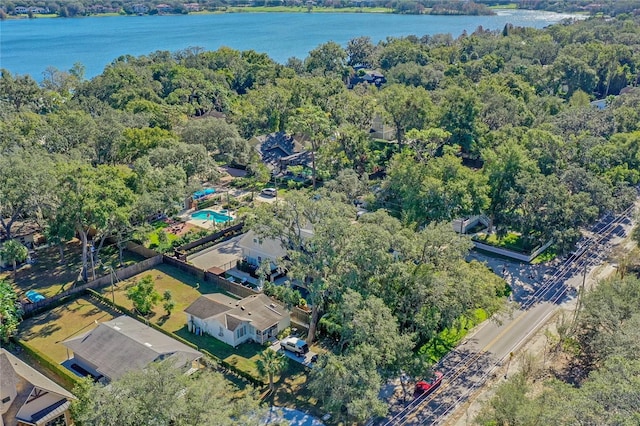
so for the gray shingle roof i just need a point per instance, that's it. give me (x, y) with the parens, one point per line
(209, 305)
(259, 310)
(53, 399)
(124, 344)
(10, 365)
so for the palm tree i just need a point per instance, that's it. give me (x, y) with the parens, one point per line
(13, 252)
(269, 364)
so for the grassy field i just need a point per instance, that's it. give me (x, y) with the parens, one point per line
(184, 288)
(49, 277)
(44, 332)
(504, 6)
(304, 9)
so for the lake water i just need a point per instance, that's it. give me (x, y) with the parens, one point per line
(30, 46)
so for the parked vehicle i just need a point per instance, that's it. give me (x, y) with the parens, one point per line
(425, 387)
(269, 192)
(295, 345)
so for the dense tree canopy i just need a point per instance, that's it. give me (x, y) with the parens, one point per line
(494, 123)
(163, 395)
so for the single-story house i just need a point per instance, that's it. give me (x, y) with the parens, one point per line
(123, 344)
(29, 398)
(255, 318)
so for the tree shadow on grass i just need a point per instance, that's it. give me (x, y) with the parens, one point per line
(43, 332)
(162, 320)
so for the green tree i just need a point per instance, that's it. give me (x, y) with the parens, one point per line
(143, 294)
(220, 138)
(91, 199)
(460, 110)
(161, 395)
(13, 252)
(312, 122)
(26, 177)
(270, 364)
(360, 51)
(408, 107)
(328, 58)
(192, 159)
(311, 231)
(168, 304)
(348, 385)
(10, 314)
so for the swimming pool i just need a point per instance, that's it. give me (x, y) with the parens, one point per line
(211, 215)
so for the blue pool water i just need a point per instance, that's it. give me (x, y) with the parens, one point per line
(211, 215)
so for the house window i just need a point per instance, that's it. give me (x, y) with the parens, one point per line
(6, 399)
(240, 332)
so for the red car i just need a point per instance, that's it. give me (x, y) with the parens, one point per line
(424, 387)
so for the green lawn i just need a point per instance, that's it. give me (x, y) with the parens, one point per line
(184, 288)
(49, 276)
(511, 241)
(244, 357)
(44, 332)
(505, 6)
(546, 256)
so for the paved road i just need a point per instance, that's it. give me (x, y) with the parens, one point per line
(493, 343)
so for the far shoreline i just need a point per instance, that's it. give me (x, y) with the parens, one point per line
(260, 9)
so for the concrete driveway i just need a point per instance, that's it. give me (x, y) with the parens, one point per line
(218, 256)
(293, 417)
(304, 360)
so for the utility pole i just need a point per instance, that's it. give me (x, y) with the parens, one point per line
(93, 267)
(580, 296)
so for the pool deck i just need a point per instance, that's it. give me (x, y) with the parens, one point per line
(221, 255)
(204, 223)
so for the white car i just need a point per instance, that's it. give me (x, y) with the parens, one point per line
(295, 345)
(269, 192)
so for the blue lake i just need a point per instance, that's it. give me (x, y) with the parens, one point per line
(30, 46)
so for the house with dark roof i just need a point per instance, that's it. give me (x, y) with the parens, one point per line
(29, 398)
(279, 150)
(255, 318)
(123, 344)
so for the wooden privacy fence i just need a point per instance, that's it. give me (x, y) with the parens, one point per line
(31, 309)
(234, 288)
(141, 250)
(298, 315)
(229, 232)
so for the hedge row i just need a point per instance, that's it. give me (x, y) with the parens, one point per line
(223, 363)
(69, 379)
